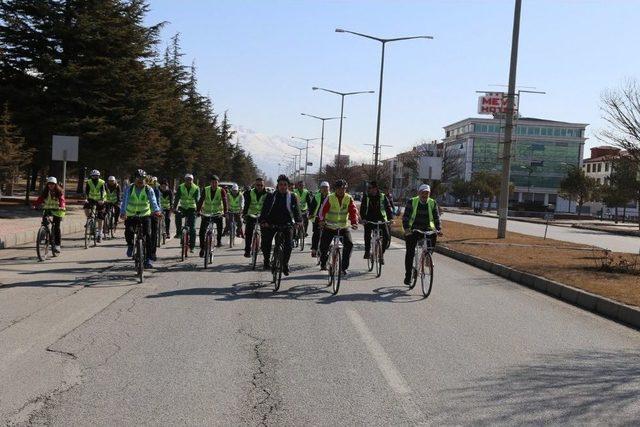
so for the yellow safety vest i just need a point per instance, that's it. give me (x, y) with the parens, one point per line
(302, 198)
(430, 206)
(94, 190)
(256, 203)
(234, 202)
(53, 204)
(138, 203)
(187, 197)
(112, 196)
(213, 206)
(338, 215)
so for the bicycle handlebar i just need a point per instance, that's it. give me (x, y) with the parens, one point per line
(376, 222)
(424, 233)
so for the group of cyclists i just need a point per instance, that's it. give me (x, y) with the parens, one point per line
(289, 207)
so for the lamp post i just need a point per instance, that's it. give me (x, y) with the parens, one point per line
(324, 119)
(299, 155)
(383, 42)
(342, 95)
(306, 153)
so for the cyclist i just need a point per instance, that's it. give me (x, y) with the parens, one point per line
(314, 207)
(236, 206)
(253, 201)
(113, 198)
(213, 201)
(336, 212)
(187, 196)
(166, 200)
(375, 207)
(420, 213)
(95, 196)
(52, 200)
(280, 208)
(138, 204)
(304, 199)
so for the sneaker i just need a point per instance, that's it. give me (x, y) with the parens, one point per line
(345, 272)
(247, 255)
(177, 236)
(99, 238)
(285, 270)
(168, 237)
(314, 253)
(191, 250)
(366, 255)
(56, 249)
(266, 266)
(129, 251)
(148, 264)
(407, 280)
(219, 245)
(201, 253)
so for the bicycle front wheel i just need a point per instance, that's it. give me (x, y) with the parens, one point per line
(42, 244)
(140, 259)
(378, 258)
(337, 270)
(207, 250)
(184, 244)
(426, 275)
(301, 239)
(371, 259)
(255, 247)
(277, 270)
(87, 232)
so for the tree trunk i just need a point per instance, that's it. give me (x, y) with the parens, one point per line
(579, 209)
(615, 215)
(624, 213)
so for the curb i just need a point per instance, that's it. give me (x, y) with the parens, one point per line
(29, 236)
(618, 232)
(511, 218)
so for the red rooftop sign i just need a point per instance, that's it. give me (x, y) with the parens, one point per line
(493, 103)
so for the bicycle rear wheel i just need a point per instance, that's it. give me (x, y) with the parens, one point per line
(276, 269)
(94, 234)
(255, 247)
(371, 259)
(42, 244)
(87, 232)
(232, 233)
(378, 257)
(426, 275)
(184, 244)
(207, 249)
(337, 270)
(140, 259)
(301, 238)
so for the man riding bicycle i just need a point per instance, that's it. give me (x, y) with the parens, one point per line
(113, 198)
(420, 213)
(304, 200)
(375, 207)
(52, 201)
(253, 201)
(280, 209)
(138, 204)
(166, 200)
(235, 200)
(337, 211)
(186, 198)
(95, 196)
(314, 207)
(212, 206)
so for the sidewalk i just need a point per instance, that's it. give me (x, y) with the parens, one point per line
(19, 225)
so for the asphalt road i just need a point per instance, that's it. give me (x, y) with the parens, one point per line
(83, 344)
(605, 240)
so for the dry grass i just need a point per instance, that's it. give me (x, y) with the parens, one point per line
(610, 274)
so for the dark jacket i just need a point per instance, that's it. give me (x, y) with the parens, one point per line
(372, 212)
(276, 212)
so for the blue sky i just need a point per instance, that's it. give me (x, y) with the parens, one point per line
(259, 59)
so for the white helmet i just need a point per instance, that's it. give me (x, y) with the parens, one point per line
(95, 172)
(234, 187)
(424, 187)
(111, 179)
(52, 179)
(188, 176)
(324, 184)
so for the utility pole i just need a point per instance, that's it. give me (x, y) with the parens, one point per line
(508, 128)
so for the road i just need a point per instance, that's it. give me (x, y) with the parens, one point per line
(84, 344)
(610, 241)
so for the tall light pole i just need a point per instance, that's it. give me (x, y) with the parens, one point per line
(306, 154)
(342, 95)
(508, 128)
(383, 42)
(300, 157)
(324, 119)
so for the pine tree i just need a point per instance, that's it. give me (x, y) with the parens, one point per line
(15, 154)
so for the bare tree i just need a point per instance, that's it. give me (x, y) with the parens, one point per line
(621, 110)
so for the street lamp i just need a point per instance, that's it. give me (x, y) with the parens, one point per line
(383, 43)
(306, 153)
(342, 95)
(300, 158)
(324, 119)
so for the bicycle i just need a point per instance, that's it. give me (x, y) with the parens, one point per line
(317, 249)
(139, 251)
(256, 238)
(90, 229)
(160, 236)
(44, 241)
(376, 254)
(300, 234)
(209, 247)
(423, 263)
(335, 260)
(277, 257)
(185, 240)
(109, 223)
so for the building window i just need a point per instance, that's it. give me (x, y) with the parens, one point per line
(606, 167)
(599, 167)
(588, 167)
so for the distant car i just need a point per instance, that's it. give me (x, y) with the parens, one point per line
(357, 197)
(227, 184)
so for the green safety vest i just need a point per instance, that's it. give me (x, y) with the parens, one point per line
(318, 199)
(138, 204)
(338, 215)
(256, 203)
(187, 197)
(213, 206)
(53, 205)
(165, 202)
(234, 202)
(431, 204)
(302, 198)
(94, 190)
(112, 196)
(382, 209)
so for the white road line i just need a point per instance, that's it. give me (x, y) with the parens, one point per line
(386, 366)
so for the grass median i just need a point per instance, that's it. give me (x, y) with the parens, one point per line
(610, 274)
